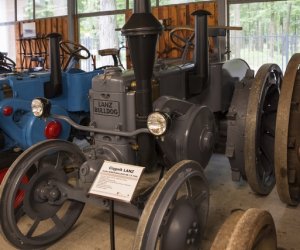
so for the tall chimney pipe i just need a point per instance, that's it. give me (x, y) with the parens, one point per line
(54, 87)
(142, 6)
(141, 31)
(201, 53)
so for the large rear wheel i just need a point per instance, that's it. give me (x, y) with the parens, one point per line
(251, 128)
(287, 136)
(260, 128)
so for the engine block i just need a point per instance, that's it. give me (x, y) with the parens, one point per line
(112, 106)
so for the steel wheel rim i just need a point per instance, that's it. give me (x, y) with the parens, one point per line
(255, 230)
(20, 195)
(154, 220)
(62, 219)
(260, 132)
(251, 229)
(285, 171)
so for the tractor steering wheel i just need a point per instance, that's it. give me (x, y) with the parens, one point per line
(182, 37)
(74, 49)
(6, 64)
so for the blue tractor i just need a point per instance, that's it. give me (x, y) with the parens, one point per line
(67, 89)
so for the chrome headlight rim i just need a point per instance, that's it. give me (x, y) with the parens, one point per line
(40, 107)
(155, 119)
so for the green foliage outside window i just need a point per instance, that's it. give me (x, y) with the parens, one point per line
(87, 6)
(50, 8)
(24, 9)
(270, 32)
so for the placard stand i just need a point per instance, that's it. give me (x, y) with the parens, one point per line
(116, 181)
(112, 225)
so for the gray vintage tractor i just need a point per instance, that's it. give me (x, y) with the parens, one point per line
(164, 118)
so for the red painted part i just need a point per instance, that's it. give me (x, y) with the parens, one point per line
(2, 174)
(7, 110)
(53, 130)
(21, 193)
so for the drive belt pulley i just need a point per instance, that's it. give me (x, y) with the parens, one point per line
(287, 137)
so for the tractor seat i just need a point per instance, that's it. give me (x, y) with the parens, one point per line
(115, 53)
(108, 52)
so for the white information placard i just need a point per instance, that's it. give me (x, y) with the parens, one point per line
(29, 30)
(116, 181)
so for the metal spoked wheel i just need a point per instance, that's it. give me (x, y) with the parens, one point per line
(253, 229)
(260, 128)
(287, 137)
(180, 198)
(43, 215)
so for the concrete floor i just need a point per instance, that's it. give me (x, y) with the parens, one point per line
(91, 231)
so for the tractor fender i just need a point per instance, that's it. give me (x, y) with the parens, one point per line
(23, 127)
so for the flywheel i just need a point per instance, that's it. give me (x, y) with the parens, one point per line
(287, 136)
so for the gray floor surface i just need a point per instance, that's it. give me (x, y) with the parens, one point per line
(91, 231)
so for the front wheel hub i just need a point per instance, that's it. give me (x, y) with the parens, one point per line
(182, 229)
(40, 200)
(47, 192)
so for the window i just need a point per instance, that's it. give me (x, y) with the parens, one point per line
(24, 9)
(50, 8)
(168, 2)
(153, 3)
(7, 42)
(101, 32)
(88, 6)
(270, 32)
(7, 11)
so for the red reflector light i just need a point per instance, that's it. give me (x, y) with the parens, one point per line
(7, 110)
(53, 130)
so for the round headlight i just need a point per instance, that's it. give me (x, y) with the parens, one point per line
(157, 123)
(37, 107)
(41, 107)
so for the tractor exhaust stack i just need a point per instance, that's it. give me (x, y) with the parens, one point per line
(142, 31)
(54, 87)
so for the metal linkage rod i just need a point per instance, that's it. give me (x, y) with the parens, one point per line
(101, 131)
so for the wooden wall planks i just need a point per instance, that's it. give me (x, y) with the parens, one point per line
(173, 16)
(176, 16)
(43, 28)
